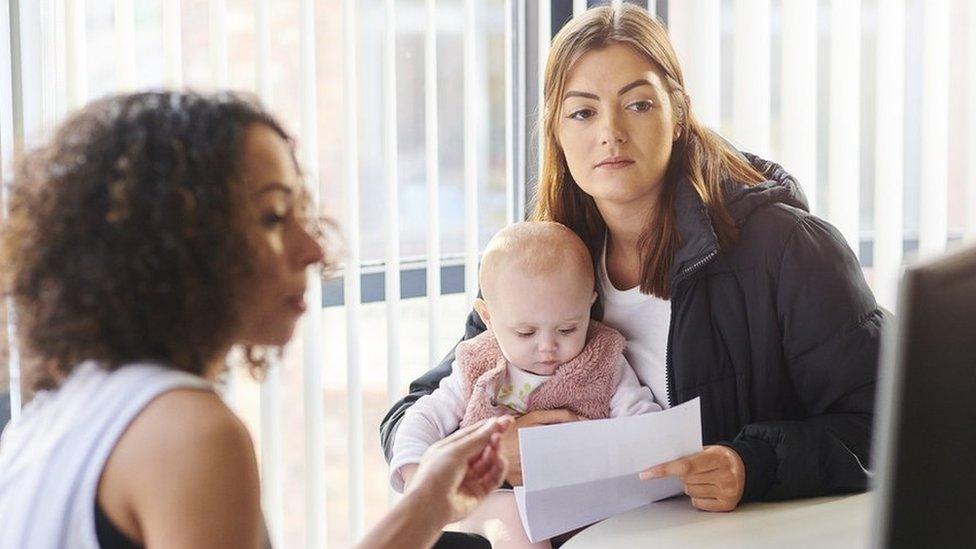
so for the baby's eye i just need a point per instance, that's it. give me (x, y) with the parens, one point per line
(567, 331)
(580, 114)
(524, 334)
(640, 106)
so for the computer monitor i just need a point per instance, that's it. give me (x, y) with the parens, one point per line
(926, 423)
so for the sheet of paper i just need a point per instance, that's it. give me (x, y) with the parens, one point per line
(575, 474)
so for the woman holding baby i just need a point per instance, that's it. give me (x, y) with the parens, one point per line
(709, 263)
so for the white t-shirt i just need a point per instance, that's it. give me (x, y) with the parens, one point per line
(513, 391)
(52, 456)
(644, 321)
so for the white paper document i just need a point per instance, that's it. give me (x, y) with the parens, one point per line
(575, 474)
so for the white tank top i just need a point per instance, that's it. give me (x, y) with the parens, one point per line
(52, 456)
(644, 321)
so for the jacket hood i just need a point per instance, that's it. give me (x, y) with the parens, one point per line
(698, 240)
(779, 187)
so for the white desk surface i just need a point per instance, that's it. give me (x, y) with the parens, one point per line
(841, 521)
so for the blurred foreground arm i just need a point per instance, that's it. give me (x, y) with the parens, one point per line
(454, 477)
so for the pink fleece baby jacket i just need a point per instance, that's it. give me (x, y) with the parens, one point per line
(583, 385)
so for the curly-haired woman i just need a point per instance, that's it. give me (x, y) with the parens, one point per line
(153, 233)
(709, 263)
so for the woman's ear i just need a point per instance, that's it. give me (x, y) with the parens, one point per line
(593, 300)
(482, 309)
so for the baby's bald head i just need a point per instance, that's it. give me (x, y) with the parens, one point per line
(535, 248)
(537, 290)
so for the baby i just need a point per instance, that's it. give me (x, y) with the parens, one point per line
(541, 352)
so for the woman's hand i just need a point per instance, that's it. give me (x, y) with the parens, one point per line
(454, 476)
(714, 478)
(458, 472)
(510, 442)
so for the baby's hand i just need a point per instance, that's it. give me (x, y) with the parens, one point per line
(510, 444)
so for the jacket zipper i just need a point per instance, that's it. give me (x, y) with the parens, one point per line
(668, 377)
(698, 265)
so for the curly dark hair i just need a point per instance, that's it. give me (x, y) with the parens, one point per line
(125, 239)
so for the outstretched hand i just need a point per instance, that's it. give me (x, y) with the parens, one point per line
(714, 478)
(459, 471)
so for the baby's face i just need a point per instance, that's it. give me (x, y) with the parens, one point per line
(540, 321)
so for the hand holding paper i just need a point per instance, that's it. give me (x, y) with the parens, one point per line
(714, 478)
(578, 473)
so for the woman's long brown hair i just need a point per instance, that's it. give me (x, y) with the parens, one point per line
(700, 156)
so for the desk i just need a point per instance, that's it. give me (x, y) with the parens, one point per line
(841, 521)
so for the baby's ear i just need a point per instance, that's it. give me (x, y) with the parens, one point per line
(482, 308)
(593, 299)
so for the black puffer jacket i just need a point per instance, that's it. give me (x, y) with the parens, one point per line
(778, 335)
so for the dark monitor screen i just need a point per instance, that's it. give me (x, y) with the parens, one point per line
(926, 425)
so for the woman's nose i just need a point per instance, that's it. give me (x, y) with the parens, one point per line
(307, 250)
(612, 131)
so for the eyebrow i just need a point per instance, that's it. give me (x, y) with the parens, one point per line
(274, 186)
(635, 84)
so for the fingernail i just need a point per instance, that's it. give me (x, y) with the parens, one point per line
(649, 474)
